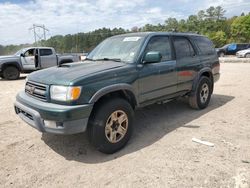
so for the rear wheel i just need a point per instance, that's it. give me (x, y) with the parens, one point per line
(111, 125)
(11, 73)
(201, 96)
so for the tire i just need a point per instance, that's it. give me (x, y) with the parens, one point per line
(247, 55)
(221, 54)
(103, 128)
(202, 94)
(11, 73)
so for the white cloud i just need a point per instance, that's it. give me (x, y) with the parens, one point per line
(65, 16)
(72, 16)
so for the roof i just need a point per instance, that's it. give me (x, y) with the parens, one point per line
(40, 47)
(144, 34)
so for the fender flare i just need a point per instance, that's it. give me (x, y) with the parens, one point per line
(197, 77)
(12, 63)
(112, 88)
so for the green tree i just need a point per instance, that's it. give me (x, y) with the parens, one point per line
(171, 24)
(240, 29)
(219, 38)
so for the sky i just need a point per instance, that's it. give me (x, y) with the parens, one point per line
(74, 16)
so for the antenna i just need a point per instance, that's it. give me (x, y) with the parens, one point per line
(37, 34)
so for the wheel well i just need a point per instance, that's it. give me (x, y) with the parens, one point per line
(125, 94)
(10, 65)
(66, 61)
(210, 76)
(207, 74)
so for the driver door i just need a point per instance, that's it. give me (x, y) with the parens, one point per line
(28, 61)
(157, 80)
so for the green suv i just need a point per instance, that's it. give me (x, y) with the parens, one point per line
(121, 74)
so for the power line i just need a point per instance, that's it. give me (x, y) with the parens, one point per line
(37, 35)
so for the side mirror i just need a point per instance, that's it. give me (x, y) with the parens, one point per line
(22, 55)
(152, 57)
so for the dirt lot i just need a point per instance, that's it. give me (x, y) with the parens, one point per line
(160, 154)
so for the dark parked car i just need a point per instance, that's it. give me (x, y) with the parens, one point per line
(231, 49)
(121, 74)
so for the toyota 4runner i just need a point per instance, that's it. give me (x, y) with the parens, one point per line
(122, 73)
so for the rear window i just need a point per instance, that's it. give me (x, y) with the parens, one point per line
(205, 45)
(45, 52)
(183, 47)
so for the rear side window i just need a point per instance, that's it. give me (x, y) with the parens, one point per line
(160, 44)
(45, 52)
(205, 45)
(183, 47)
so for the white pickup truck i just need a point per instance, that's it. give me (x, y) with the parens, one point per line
(30, 59)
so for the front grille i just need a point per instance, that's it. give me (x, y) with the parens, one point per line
(36, 90)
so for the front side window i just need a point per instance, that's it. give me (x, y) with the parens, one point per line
(160, 44)
(29, 53)
(183, 47)
(45, 52)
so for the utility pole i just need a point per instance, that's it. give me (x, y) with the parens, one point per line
(37, 35)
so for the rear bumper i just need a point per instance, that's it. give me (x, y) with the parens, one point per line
(216, 77)
(52, 118)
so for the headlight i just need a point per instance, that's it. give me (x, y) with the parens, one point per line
(65, 93)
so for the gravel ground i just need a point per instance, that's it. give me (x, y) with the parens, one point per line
(160, 154)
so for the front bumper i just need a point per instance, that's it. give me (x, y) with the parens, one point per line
(240, 55)
(66, 119)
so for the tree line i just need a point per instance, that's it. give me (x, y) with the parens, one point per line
(210, 22)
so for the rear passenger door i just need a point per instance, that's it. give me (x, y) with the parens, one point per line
(207, 53)
(187, 62)
(157, 79)
(47, 58)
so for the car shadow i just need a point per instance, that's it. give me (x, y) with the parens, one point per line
(146, 130)
(20, 78)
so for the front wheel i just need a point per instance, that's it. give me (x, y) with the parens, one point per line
(247, 55)
(202, 94)
(110, 126)
(11, 73)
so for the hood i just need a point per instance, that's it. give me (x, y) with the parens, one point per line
(9, 57)
(244, 51)
(68, 72)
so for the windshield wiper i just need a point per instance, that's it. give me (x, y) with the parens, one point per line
(88, 59)
(109, 59)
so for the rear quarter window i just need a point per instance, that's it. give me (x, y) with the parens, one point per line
(205, 46)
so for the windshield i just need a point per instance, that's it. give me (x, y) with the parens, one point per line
(225, 46)
(18, 53)
(122, 48)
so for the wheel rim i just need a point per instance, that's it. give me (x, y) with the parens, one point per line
(248, 56)
(204, 93)
(116, 126)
